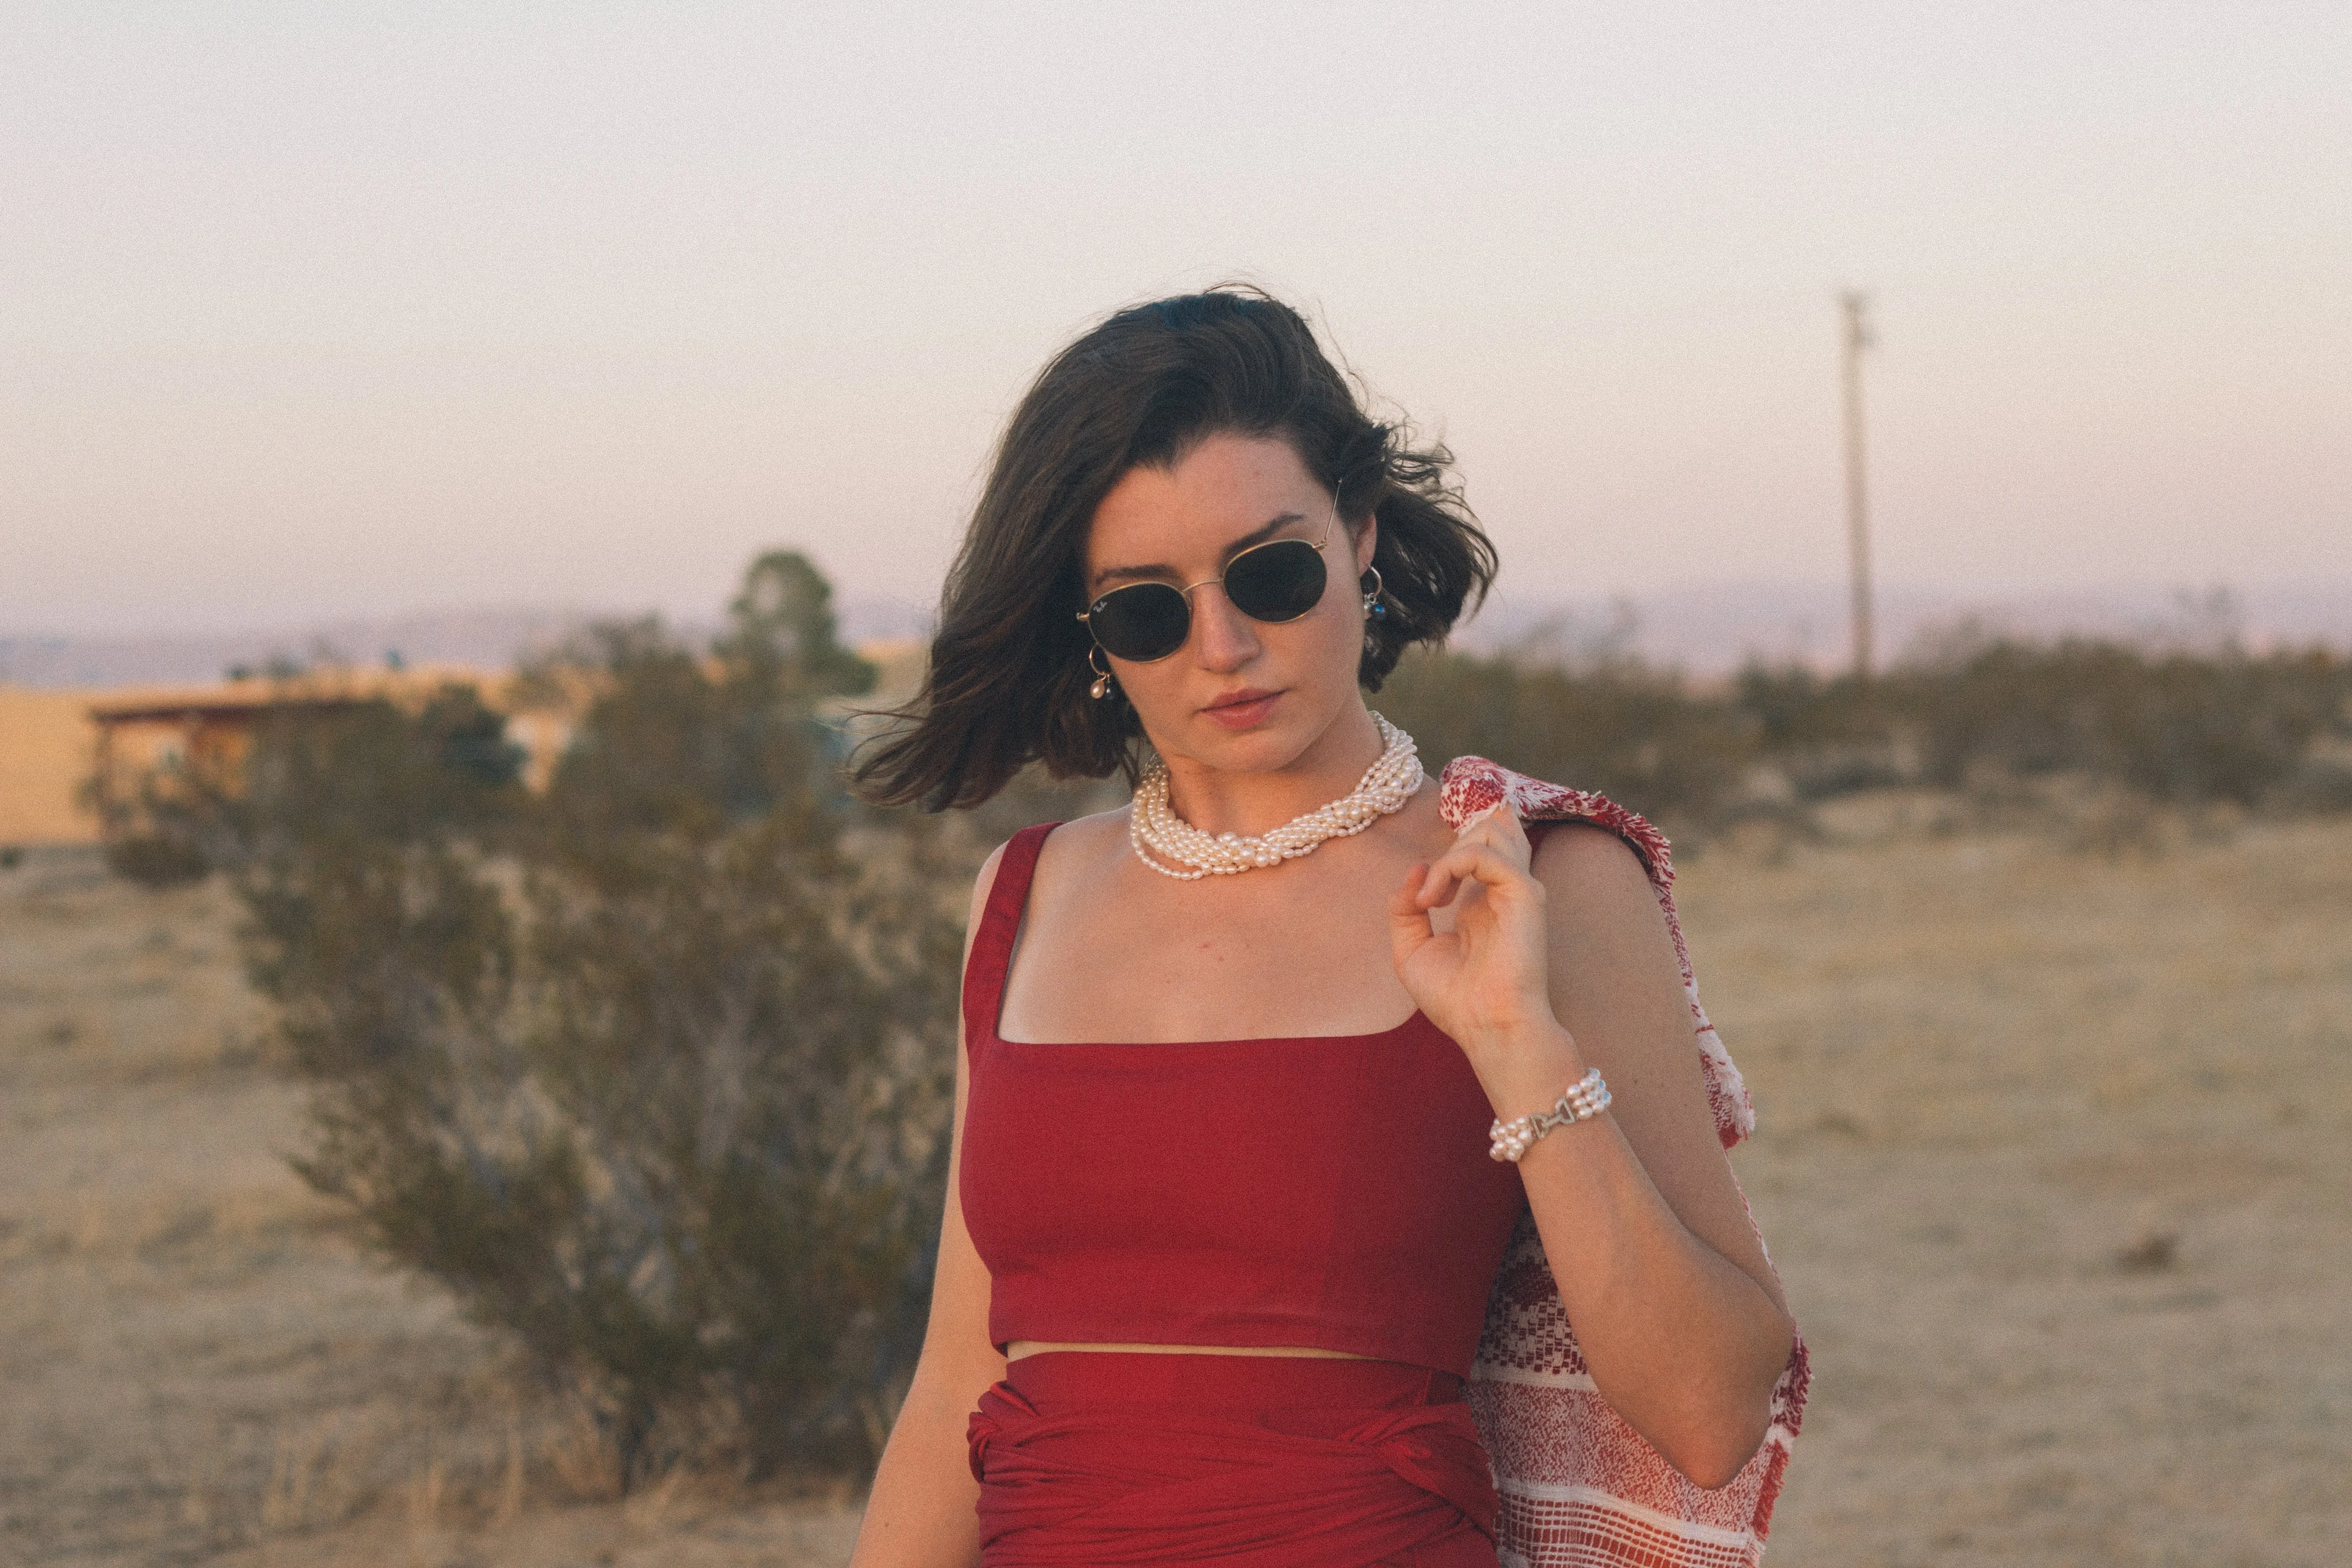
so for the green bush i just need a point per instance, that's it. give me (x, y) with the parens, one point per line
(2176, 727)
(652, 1072)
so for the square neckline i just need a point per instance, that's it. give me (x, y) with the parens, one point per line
(997, 911)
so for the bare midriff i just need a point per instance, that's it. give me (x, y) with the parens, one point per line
(1020, 1348)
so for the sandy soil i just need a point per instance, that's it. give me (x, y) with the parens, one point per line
(2053, 1160)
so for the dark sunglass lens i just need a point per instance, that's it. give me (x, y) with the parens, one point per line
(1143, 622)
(1276, 582)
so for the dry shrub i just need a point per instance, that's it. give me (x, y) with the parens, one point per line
(652, 1072)
(158, 859)
(1637, 734)
(2167, 727)
(2181, 728)
(2321, 784)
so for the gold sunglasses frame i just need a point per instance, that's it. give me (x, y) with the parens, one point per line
(1315, 544)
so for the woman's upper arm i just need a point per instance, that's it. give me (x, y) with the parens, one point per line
(920, 1513)
(1616, 986)
(955, 1339)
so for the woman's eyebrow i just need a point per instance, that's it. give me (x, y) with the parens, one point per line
(1258, 535)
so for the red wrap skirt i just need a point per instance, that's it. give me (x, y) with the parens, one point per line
(1108, 1458)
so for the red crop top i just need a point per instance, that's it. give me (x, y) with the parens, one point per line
(1327, 1191)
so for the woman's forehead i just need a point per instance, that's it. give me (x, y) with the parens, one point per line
(1224, 489)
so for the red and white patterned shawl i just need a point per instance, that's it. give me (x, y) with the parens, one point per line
(1579, 1488)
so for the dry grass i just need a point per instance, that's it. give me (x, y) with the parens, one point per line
(198, 1363)
(2052, 1160)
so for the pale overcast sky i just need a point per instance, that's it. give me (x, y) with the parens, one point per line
(339, 310)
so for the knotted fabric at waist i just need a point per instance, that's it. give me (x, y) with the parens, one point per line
(1249, 1462)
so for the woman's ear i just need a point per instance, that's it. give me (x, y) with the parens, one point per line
(1366, 542)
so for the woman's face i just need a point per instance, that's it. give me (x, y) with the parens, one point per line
(1240, 693)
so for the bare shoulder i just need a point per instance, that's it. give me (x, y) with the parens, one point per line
(1616, 981)
(1587, 868)
(1083, 835)
(1097, 834)
(1078, 846)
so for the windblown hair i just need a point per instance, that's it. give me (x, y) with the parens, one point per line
(1008, 678)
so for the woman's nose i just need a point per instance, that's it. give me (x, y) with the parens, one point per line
(1222, 637)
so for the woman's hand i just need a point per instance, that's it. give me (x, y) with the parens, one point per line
(1486, 982)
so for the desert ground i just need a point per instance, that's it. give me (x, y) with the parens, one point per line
(2053, 1160)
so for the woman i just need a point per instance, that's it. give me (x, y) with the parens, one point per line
(1221, 1232)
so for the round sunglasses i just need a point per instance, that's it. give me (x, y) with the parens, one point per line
(1278, 580)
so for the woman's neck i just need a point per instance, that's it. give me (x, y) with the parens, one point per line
(1221, 800)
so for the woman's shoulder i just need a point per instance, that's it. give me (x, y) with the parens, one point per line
(1050, 850)
(1083, 841)
(1587, 857)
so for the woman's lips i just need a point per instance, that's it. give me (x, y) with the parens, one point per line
(1243, 709)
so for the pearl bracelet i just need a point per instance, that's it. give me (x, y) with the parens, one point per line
(1585, 1098)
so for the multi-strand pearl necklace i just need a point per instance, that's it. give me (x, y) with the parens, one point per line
(1155, 829)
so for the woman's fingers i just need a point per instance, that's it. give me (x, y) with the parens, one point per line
(1404, 905)
(1492, 852)
(1470, 861)
(1503, 831)
(1509, 830)
(1409, 923)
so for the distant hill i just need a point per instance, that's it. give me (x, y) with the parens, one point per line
(483, 638)
(489, 639)
(1713, 628)
(1705, 628)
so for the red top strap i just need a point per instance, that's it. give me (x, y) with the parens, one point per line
(1000, 924)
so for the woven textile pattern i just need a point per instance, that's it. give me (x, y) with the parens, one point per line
(1579, 1488)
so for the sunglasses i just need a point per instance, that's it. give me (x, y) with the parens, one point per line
(1278, 580)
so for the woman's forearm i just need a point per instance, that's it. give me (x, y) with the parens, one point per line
(1683, 1342)
(920, 1513)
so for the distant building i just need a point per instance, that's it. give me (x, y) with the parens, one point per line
(48, 746)
(73, 762)
(144, 738)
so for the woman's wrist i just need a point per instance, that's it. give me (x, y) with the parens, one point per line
(1524, 1069)
(1582, 1101)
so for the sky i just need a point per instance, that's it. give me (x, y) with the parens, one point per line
(326, 311)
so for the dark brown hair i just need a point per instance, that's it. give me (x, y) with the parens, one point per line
(1008, 676)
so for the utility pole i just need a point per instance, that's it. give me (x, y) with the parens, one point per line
(1856, 307)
